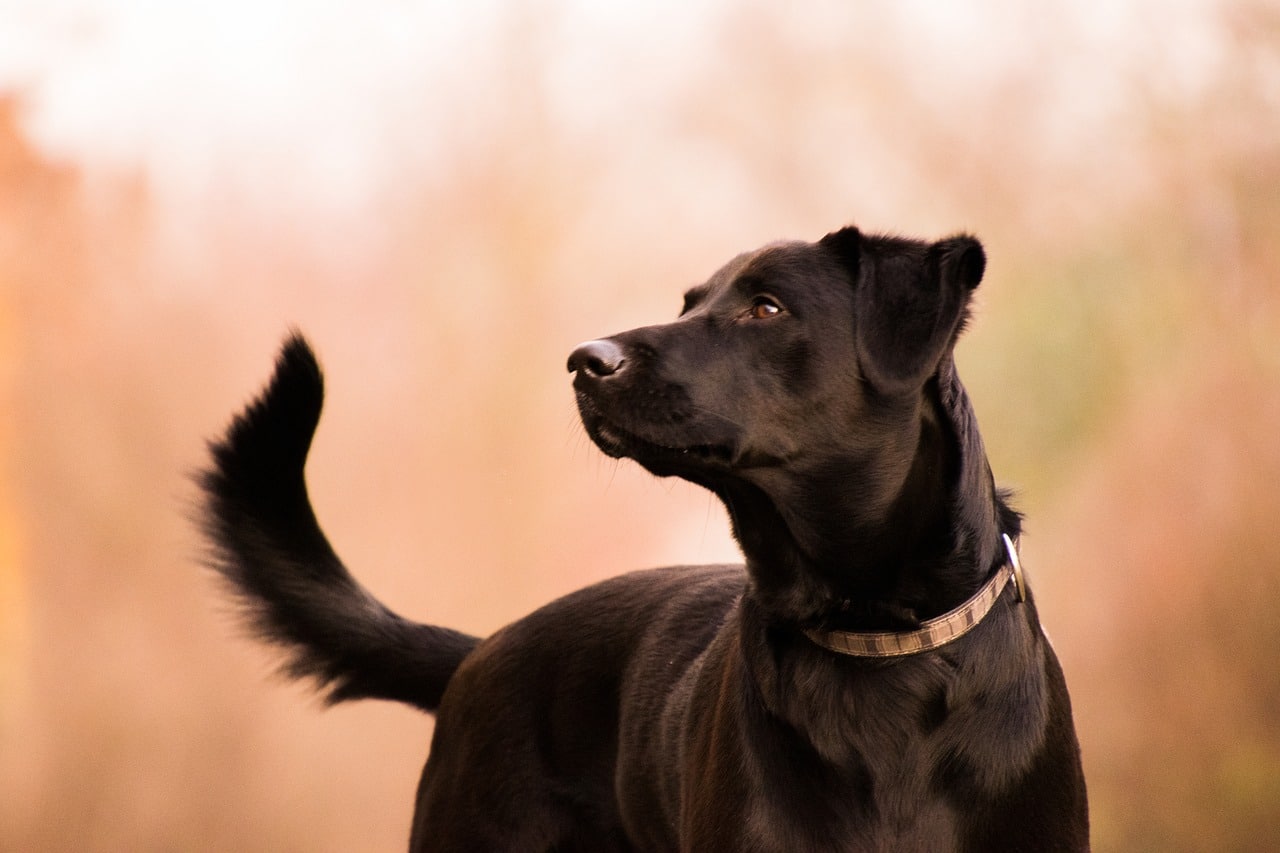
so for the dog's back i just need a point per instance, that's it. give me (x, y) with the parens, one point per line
(563, 710)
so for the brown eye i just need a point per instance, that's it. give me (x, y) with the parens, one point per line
(764, 307)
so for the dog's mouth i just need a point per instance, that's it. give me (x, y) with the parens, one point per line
(619, 442)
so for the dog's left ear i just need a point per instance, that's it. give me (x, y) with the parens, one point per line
(911, 308)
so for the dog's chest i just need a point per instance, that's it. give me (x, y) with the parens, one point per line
(904, 751)
(894, 800)
(925, 825)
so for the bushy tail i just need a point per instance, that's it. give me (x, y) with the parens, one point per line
(295, 591)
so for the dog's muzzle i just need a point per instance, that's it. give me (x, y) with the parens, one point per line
(631, 412)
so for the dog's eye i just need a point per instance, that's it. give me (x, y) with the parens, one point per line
(764, 307)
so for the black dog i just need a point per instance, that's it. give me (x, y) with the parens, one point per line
(875, 680)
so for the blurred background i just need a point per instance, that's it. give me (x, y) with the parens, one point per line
(448, 197)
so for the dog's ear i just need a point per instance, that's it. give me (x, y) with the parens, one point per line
(962, 258)
(846, 246)
(910, 308)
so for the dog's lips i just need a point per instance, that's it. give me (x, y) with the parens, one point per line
(619, 442)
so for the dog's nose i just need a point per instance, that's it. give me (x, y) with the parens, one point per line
(597, 358)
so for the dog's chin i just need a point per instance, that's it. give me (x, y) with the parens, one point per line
(661, 459)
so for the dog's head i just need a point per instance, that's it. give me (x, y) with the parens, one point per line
(781, 340)
(806, 373)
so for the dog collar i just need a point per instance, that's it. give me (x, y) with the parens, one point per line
(935, 632)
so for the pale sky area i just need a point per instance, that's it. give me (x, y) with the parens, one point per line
(202, 98)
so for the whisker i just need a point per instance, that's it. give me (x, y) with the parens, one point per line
(717, 415)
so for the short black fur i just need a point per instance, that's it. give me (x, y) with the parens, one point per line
(811, 387)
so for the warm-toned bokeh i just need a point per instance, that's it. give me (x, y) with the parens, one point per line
(447, 202)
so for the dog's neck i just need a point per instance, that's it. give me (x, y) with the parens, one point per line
(858, 561)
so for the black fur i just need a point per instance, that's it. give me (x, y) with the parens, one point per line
(811, 387)
(295, 590)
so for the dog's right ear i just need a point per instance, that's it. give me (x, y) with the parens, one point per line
(846, 245)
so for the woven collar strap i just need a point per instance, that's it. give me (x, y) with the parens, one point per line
(935, 632)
